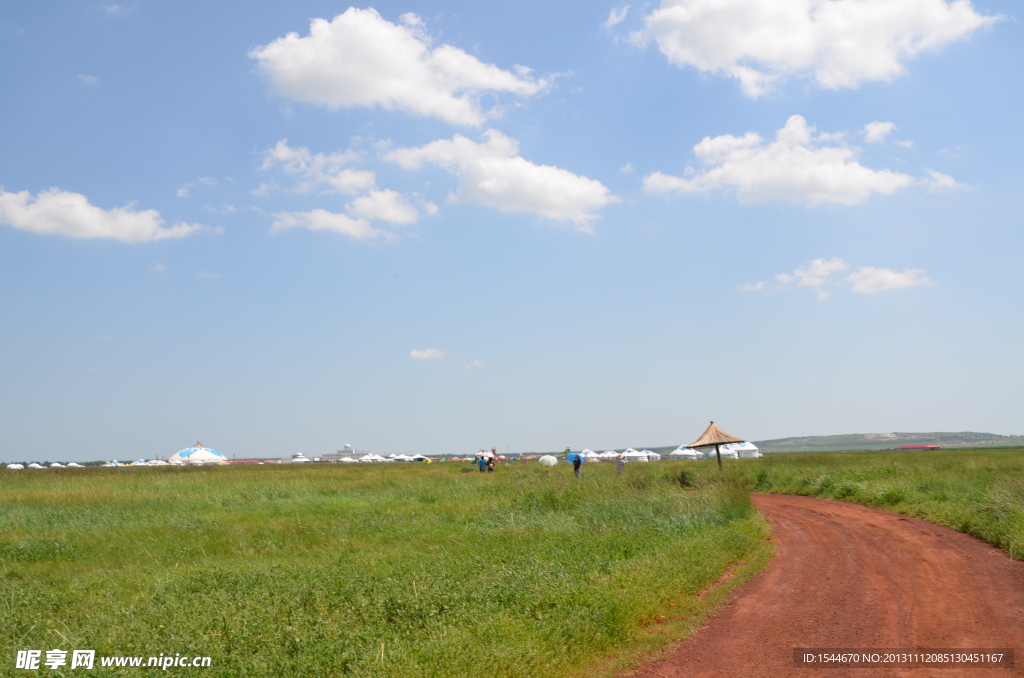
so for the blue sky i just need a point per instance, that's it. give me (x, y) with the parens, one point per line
(436, 227)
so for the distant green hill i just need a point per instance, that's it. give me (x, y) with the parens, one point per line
(887, 441)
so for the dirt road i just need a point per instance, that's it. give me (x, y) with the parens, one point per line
(847, 576)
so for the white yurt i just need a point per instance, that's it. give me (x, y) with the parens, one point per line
(73, 464)
(56, 464)
(299, 458)
(724, 450)
(153, 462)
(15, 467)
(683, 453)
(633, 455)
(35, 465)
(197, 455)
(347, 460)
(589, 455)
(742, 450)
(609, 454)
(140, 462)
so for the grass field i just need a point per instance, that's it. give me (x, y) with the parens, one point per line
(980, 492)
(367, 570)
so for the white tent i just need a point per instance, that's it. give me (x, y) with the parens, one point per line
(172, 462)
(609, 454)
(347, 460)
(742, 450)
(651, 456)
(197, 455)
(35, 465)
(56, 464)
(153, 462)
(590, 454)
(633, 455)
(372, 458)
(709, 452)
(299, 458)
(140, 462)
(418, 457)
(15, 467)
(72, 464)
(683, 453)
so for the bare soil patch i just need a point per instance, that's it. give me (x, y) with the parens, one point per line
(848, 576)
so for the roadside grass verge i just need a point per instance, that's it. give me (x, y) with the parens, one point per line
(980, 492)
(368, 570)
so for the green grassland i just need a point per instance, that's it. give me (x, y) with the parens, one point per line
(980, 492)
(368, 570)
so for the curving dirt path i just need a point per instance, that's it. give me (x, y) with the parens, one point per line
(848, 576)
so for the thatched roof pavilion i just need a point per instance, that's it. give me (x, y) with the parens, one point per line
(715, 436)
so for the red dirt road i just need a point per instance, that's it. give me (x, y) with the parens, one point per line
(848, 576)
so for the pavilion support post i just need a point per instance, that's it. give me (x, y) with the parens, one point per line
(719, 456)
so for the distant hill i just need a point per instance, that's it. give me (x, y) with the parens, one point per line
(887, 441)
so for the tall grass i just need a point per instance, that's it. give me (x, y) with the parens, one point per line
(368, 570)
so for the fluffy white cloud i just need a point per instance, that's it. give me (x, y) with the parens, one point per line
(616, 16)
(386, 205)
(871, 280)
(937, 181)
(319, 170)
(874, 132)
(493, 174)
(426, 354)
(797, 167)
(322, 220)
(843, 43)
(88, 79)
(474, 364)
(820, 275)
(57, 212)
(361, 59)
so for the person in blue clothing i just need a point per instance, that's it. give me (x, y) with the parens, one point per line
(577, 462)
(481, 461)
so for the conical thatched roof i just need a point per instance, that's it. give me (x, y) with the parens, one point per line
(715, 436)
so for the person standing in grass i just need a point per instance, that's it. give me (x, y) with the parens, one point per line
(620, 465)
(490, 464)
(577, 462)
(482, 463)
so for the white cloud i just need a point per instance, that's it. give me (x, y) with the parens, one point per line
(492, 174)
(207, 275)
(937, 181)
(159, 268)
(184, 190)
(322, 220)
(796, 167)
(386, 205)
(88, 79)
(616, 16)
(474, 364)
(819, 275)
(320, 170)
(426, 354)
(905, 143)
(361, 59)
(627, 169)
(842, 43)
(118, 10)
(871, 280)
(875, 132)
(57, 212)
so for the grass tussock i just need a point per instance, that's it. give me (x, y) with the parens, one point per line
(368, 570)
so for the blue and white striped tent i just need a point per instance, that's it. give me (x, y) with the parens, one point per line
(197, 455)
